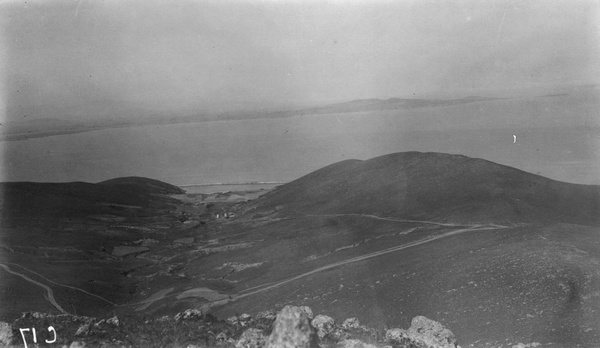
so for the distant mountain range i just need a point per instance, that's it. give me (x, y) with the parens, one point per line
(384, 104)
(44, 127)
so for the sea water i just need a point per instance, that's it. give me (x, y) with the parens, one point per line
(554, 137)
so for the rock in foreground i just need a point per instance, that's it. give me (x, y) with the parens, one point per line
(424, 333)
(292, 327)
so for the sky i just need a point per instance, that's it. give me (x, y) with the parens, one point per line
(86, 59)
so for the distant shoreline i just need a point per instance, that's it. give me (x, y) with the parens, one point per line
(236, 183)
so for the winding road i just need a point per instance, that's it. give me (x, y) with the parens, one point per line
(63, 285)
(371, 216)
(260, 289)
(265, 287)
(49, 292)
(461, 228)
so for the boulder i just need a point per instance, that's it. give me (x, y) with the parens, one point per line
(35, 315)
(233, 320)
(84, 329)
(529, 345)
(244, 319)
(351, 323)
(251, 338)
(268, 314)
(111, 322)
(221, 337)
(354, 344)
(189, 314)
(397, 335)
(292, 330)
(114, 321)
(324, 325)
(431, 333)
(6, 335)
(308, 311)
(163, 319)
(424, 333)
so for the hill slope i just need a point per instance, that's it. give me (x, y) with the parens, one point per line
(79, 198)
(62, 237)
(437, 186)
(517, 260)
(143, 185)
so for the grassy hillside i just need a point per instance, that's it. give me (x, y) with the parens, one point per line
(63, 235)
(142, 185)
(500, 255)
(437, 186)
(77, 199)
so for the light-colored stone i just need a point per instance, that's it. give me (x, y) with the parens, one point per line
(251, 338)
(84, 329)
(233, 320)
(189, 314)
(268, 314)
(396, 335)
(245, 319)
(529, 345)
(351, 323)
(292, 330)
(163, 319)
(6, 335)
(77, 344)
(114, 321)
(222, 337)
(308, 311)
(354, 344)
(323, 324)
(431, 333)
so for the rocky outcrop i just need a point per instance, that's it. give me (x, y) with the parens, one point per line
(424, 333)
(324, 325)
(308, 312)
(351, 323)
(6, 335)
(397, 335)
(353, 343)
(188, 314)
(251, 338)
(84, 329)
(266, 315)
(292, 329)
(243, 320)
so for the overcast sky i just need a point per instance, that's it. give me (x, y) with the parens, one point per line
(91, 58)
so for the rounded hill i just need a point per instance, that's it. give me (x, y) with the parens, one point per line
(143, 184)
(81, 199)
(436, 186)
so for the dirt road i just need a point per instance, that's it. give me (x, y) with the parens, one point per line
(63, 285)
(259, 289)
(49, 292)
(265, 287)
(386, 219)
